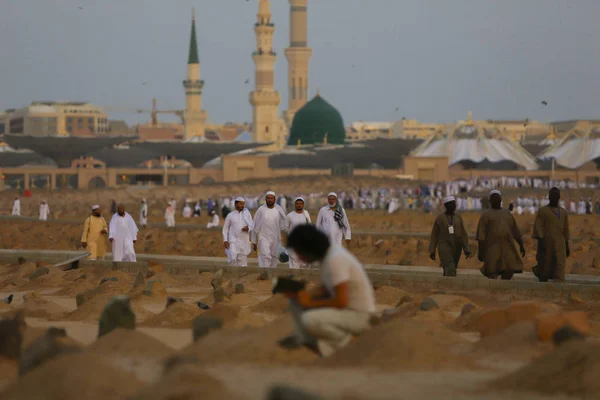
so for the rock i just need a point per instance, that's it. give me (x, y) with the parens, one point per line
(8, 299)
(21, 260)
(574, 299)
(43, 349)
(239, 288)
(150, 274)
(405, 299)
(139, 280)
(467, 308)
(39, 272)
(428, 304)
(109, 279)
(263, 276)
(566, 334)
(81, 298)
(56, 332)
(201, 326)
(491, 322)
(202, 306)
(154, 287)
(547, 325)
(219, 295)
(116, 314)
(281, 392)
(379, 243)
(11, 336)
(173, 300)
(217, 280)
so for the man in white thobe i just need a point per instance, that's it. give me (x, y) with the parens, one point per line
(269, 221)
(333, 221)
(44, 211)
(236, 234)
(215, 220)
(170, 216)
(187, 211)
(16, 210)
(144, 214)
(581, 207)
(297, 217)
(122, 235)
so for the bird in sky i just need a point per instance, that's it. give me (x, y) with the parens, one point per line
(81, 8)
(247, 81)
(544, 102)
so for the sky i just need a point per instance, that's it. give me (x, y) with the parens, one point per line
(374, 60)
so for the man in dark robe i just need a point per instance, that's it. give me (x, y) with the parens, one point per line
(450, 237)
(496, 231)
(551, 229)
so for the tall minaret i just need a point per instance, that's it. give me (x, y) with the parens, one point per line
(265, 99)
(298, 56)
(194, 116)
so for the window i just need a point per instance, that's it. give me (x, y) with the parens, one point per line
(69, 120)
(266, 129)
(90, 120)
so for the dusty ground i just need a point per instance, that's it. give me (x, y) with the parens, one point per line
(421, 354)
(369, 249)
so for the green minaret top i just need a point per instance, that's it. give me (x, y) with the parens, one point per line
(193, 59)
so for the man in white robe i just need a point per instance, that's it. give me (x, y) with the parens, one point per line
(236, 234)
(333, 221)
(581, 207)
(16, 210)
(144, 214)
(122, 235)
(215, 220)
(170, 216)
(269, 221)
(297, 217)
(187, 211)
(44, 211)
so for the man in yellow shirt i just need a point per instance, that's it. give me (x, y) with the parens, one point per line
(94, 234)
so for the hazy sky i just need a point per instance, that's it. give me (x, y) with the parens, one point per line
(432, 59)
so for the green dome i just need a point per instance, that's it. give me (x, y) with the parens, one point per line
(316, 119)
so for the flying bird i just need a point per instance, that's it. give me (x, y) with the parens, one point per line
(397, 108)
(247, 81)
(545, 103)
(81, 8)
(144, 83)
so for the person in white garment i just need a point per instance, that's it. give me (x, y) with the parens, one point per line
(16, 210)
(333, 221)
(215, 220)
(581, 207)
(328, 316)
(297, 217)
(197, 209)
(122, 235)
(236, 234)
(187, 211)
(269, 221)
(44, 211)
(170, 216)
(144, 214)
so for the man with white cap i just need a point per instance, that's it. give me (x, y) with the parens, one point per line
(333, 221)
(123, 235)
(93, 238)
(236, 234)
(297, 217)
(144, 214)
(449, 236)
(44, 211)
(16, 209)
(269, 221)
(496, 231)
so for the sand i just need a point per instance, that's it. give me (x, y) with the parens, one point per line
(401, 344)
(77, 376)
(388, 295)
(573, 369)
(276, 304)
(127, 342)
(178, 315)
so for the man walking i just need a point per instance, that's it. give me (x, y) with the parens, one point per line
(496, 231)
(333, 221)
(295, 218)
(551, 229)
(94, 234)
(449, 236)
(44, 211)
(123, 235)
(269, 221)
(144, 214)
(236, 234)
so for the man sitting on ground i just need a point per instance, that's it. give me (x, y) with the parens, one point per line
(326, 318)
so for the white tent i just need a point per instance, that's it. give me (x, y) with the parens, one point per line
(575, 149)
(469, 143)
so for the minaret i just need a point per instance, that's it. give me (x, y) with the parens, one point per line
(298, 56)
(194, 116)
(265, 99)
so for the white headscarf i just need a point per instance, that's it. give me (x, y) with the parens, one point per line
(495, 192)
(95, 207)
(449, 199)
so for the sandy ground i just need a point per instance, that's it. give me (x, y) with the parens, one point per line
(370, 249)
(421, 354)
